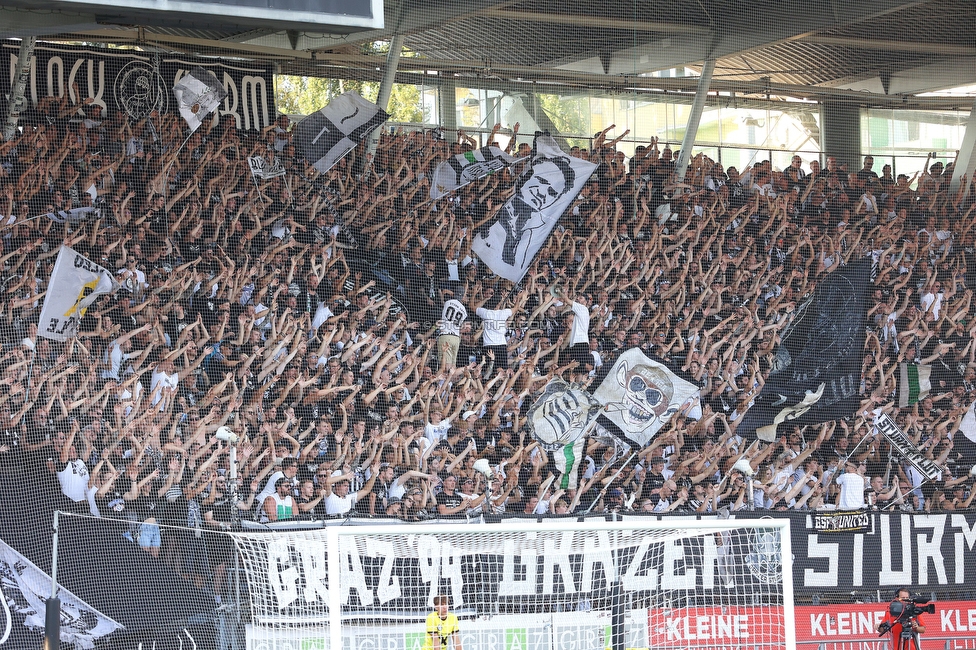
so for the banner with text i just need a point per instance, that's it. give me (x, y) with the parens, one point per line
(138, 83)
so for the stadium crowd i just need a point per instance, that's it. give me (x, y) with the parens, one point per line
(340, 326)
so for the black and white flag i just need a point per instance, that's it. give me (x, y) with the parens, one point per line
(24, 589)
(264, 170)
(73, 215)
(640, 394)
(197, 95)
(816, 373)
(457, 171)
(75, 284)
(543, 191)
(327, 135)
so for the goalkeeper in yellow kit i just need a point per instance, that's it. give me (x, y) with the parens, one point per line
(441, 626)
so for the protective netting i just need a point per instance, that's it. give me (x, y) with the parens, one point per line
(558, 580)
(217, 315)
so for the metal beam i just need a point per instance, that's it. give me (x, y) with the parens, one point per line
(17, 92)
(386, 85)
(966, 160)
(691, 130)
(890, 46)
(595, 22)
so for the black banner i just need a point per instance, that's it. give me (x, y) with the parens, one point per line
(929, 552)
(137, 83)
(816, 373)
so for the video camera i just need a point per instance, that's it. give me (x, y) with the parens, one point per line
(904, 612)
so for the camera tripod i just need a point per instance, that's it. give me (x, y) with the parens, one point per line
(906, 639)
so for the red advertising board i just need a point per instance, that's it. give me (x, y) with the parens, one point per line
(823, 627)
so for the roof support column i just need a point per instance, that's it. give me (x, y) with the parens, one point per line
(691, 130)
(386, 84)
(447, 105)
(966, 160)
(18, 89)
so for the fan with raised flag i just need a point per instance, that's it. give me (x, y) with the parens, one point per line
(543, 192)
(327, 135)
(468, 167)
(76, 283)
(198, 94)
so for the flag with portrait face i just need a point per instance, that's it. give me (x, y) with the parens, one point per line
(75, 284)
(325, 136)
(543, 192)
(198, 94)
(457, 171)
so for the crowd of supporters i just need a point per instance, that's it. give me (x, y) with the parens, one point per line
(339, 325)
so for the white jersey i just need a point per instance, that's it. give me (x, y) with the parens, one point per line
(581, 324)
(74, 480)
(452, 317)
(495, 325)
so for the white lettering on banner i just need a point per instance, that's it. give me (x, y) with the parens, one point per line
(964, 540)
(844, 623)
(930, 547)
(558, 556)
(256, 111)
(714, 627)
(888, 575)
(315, 571)
(674, 554)
(351, 574)
(598, 551)
(246, 100)
(281, 573)
(389, 584)
(437, 560)
(828, 551)
(527, 559)
(858, 577)
(952, 620)
(633, 582)
(53, 78)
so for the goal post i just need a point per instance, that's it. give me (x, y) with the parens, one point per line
(524, 584)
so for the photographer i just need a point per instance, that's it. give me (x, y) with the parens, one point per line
(893, 622)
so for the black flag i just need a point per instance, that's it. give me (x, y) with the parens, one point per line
(816, 375)
(328, 134)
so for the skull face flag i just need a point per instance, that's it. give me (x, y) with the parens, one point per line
(325, 136)
(640, 395)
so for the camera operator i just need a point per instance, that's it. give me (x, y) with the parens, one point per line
(895, 617)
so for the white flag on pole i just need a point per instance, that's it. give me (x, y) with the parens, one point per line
(457, 171)
(75, 284)
(545, 189)
(197, 95)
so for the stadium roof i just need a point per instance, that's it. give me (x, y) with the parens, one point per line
(873, 52)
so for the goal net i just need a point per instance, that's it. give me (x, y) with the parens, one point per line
(524, 585)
